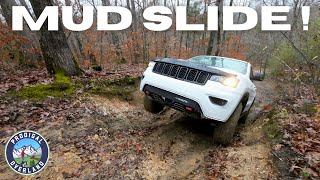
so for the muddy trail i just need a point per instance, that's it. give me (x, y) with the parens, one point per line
(117, 139)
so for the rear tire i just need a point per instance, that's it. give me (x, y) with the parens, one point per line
(152, 106)
(224, 131)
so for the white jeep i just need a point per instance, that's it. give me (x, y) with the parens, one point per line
(208, 87)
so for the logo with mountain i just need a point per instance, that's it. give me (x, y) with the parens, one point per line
(27, 152)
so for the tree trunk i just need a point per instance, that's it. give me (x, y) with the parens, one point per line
(77, 35)
(156, 43)
(105, 2)
(114, 35)
(23, 3)
(68, 2)
(187, 32)
(215, 35)
(225, 32)
(210, 42)
(72, 37)
(194, 35)
(165, 39)
(144, 34)
(180, 44)
(134, 32)
(56, 52)
(6, 6)
(220, 7)
(204, 34)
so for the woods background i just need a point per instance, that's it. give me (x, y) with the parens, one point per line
(296, 50)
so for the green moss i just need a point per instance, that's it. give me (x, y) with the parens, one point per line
(113, 90)
(272, 130)
(41, 91)
(126, 81)
(120, 88)
(59, 77)
(61, 87)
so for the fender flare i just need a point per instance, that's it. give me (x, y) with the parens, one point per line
(244, 100)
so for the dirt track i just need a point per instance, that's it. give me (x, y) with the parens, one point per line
(119, 140)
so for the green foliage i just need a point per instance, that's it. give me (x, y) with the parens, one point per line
(309, 109)
(272, 128)
(283, 52)
(61, 87)
(306, 175)
(308, 44)
(126, 81)
(314, 41)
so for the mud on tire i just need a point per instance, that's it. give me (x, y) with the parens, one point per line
(224, 131)
(244, 119)
(152, 106)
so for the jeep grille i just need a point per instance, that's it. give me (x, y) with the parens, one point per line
(182, 73)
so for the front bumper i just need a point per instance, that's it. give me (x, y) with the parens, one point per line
(173, 100)
(194, 95)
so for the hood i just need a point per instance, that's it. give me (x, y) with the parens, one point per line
(228, 71)
(195, 65)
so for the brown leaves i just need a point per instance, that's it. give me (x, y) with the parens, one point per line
(14, 79)
(233, 47)
(13, 111)
(267, 108)
(8, 37)
(113, 72)
(303, 131)
(306, 134)
(215, 162)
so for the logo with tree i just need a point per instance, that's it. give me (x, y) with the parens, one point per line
(27, 152)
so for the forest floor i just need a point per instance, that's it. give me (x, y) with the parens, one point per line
(113, 137)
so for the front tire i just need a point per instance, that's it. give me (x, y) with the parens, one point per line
(152, 106)
(244, 118)
(224, 131)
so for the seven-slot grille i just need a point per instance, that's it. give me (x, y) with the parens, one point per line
(181, 72)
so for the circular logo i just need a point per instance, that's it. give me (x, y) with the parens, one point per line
(27, 152)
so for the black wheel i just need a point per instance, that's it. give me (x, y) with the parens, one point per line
(244, 118)
(224, 131)
(152, 106)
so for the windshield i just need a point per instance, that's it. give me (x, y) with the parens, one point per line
(221, 62)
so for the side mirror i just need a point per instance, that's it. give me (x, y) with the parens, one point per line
(257, 76)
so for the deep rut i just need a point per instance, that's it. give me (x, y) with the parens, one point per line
(177, 150)
(129, 143)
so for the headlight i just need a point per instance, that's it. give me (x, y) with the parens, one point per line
(226, 81)
(151, 64)
(231, 82)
